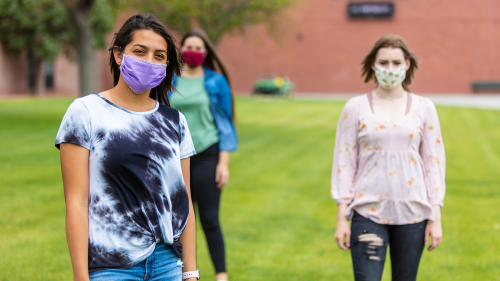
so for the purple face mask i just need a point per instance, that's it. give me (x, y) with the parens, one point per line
(141, 75)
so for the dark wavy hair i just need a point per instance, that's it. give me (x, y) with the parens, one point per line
(124, 37)
(212, 59)
(393, 41)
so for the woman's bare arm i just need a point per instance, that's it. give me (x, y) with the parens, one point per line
(188, 236)
(75, 174)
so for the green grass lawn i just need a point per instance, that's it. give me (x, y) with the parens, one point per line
(277, 214)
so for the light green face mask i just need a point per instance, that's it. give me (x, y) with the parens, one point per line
(388, 79)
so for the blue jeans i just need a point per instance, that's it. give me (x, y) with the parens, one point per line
(369, 242)
(163, 264)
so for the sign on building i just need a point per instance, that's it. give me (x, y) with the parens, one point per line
(370, 10)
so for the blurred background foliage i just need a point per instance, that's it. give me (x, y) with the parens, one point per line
(216, 17)
(75, 28)
(43, 28)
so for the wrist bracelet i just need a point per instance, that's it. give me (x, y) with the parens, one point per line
(191, 274)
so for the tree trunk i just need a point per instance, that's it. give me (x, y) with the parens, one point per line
(39, 85)
(79, 14)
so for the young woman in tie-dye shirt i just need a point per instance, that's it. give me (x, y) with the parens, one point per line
(125, 165)
(389, 167)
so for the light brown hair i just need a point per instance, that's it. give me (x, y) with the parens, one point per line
(392, 41)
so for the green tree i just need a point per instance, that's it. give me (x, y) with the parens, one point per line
(45, 28)
(35, 27)
(216, 17)
(90, 20)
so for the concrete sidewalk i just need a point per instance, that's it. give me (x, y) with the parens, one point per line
(483, 101)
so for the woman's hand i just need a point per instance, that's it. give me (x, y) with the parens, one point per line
(222, 170)
(434, 230)
(221, 175)
(343, 230)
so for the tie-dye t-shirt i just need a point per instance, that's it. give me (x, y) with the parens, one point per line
(137, 195)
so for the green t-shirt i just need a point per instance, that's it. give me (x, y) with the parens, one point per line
(194, 103)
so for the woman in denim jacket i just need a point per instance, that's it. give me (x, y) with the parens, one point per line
(204, 97)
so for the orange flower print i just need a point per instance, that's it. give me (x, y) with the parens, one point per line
(431, 127)
(438, 141)
(435, 159)
(378, 149)
(410, 136)
(382, 127)
(361, 195)
(421, 129)
(346, 116)
(414, 161)
(395, 173)
(380, 197)
(388, 220)
(384, 222)
(367, 147)
(368, 171)
(394, 125)
(362, 126)
(373, 210)
(339, 171)
(410, 182)
(421, 99)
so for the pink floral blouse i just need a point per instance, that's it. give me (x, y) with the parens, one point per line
(391, 173)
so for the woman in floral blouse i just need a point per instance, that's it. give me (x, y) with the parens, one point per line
(389, 168)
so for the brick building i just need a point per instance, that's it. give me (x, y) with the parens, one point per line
(321, 48)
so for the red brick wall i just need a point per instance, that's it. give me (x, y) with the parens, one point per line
(13, 72)
(456, 40)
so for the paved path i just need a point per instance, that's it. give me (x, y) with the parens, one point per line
(484, 101)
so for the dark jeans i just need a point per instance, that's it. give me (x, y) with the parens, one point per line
(368, 256)
(206, 196)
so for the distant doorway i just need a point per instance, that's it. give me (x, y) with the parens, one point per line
(47, 71)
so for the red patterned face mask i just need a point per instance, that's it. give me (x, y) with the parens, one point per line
(193, 59)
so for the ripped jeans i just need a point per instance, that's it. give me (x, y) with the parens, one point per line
(369, 242)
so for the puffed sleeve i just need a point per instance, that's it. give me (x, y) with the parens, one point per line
(433, 156)
(345, 155)
(75, 126)
(186, 145)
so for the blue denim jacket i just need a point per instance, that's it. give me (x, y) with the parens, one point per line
(220, 103)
